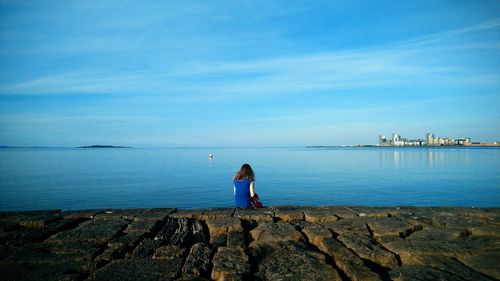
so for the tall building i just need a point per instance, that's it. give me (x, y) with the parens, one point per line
(395, 139)
(382, 141)
(430, 139)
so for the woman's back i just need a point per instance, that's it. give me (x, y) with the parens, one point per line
(242, 193)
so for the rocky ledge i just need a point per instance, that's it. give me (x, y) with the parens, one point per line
(276, 243)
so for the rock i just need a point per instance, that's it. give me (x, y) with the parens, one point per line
(259, 215)
(114, 253)
(224, 225)
(13, 272)
(7, 224)
(17, 214)
(119, 214)
(288, 213)
(485, 230)
(236, 240)
(70, 251)
(169, 252)
(188, 214)
(198, 261)
(356, 225)
(314, 232)
(352, 266)
(368, 249)
(35, 272)
(441, 217)
(137, 269)
(169, 228)
(230, 264)
(476, 244)
(220, 227)
(451, 265)
(39, 262)
(81, 214)
(35, 219)
(53, 253)
(375, 212)
(485, 262)
(421, 273)
(485, 213)
(292, 260)
(192, 278)
(439, 233)
(410, 250)
(146, 249)
(199, 231)
(5, 251)
(273, 232)
(182, 232)
(219, 240)
(215, 214)
(325, 214)
(365, 243)
(478, 253)
(392, 226)
(153, 215)
(403, 248)
(452, 219)
(94, 231)
(141, 226)
(39, 221)
(21, 236)
(129, 240)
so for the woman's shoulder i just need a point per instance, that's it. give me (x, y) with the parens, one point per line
(243, 180)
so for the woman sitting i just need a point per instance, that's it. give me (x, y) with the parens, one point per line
(244, 187)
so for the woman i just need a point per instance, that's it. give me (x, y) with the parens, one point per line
(244, 187)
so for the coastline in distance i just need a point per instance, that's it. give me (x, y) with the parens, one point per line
(103, 146)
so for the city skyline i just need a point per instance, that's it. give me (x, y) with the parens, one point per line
(428, 140)
(160, 74)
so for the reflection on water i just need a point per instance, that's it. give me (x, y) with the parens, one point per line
(430, 157)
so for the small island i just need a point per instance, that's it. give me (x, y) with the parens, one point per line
(103, 146)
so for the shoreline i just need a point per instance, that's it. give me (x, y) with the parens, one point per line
(326, 243)
(405, 147)
(202, 209)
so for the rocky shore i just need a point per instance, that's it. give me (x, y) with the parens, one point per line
(276, 243)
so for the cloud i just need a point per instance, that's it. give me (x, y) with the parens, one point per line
(73, 83)
(442, 36)
(402, 64)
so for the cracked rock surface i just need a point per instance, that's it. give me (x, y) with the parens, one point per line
(274, 243)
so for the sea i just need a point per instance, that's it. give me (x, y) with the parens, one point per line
(185, 178)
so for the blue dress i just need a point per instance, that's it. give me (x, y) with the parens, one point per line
(242, 193)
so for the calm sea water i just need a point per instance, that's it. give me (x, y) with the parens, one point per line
(185, 178)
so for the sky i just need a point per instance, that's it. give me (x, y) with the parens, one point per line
(247, 73)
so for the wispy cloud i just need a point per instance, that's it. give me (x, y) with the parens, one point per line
(73, 83)
(399, 64)
(446, 35)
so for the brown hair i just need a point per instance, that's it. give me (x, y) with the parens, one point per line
(245, 172)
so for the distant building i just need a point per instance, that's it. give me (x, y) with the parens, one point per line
(430, 140)
(464, 141)
(382, 141)
(395, 139)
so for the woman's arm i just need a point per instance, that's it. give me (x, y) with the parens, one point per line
(252, 189)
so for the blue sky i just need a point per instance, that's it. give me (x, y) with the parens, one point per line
(249, 73)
